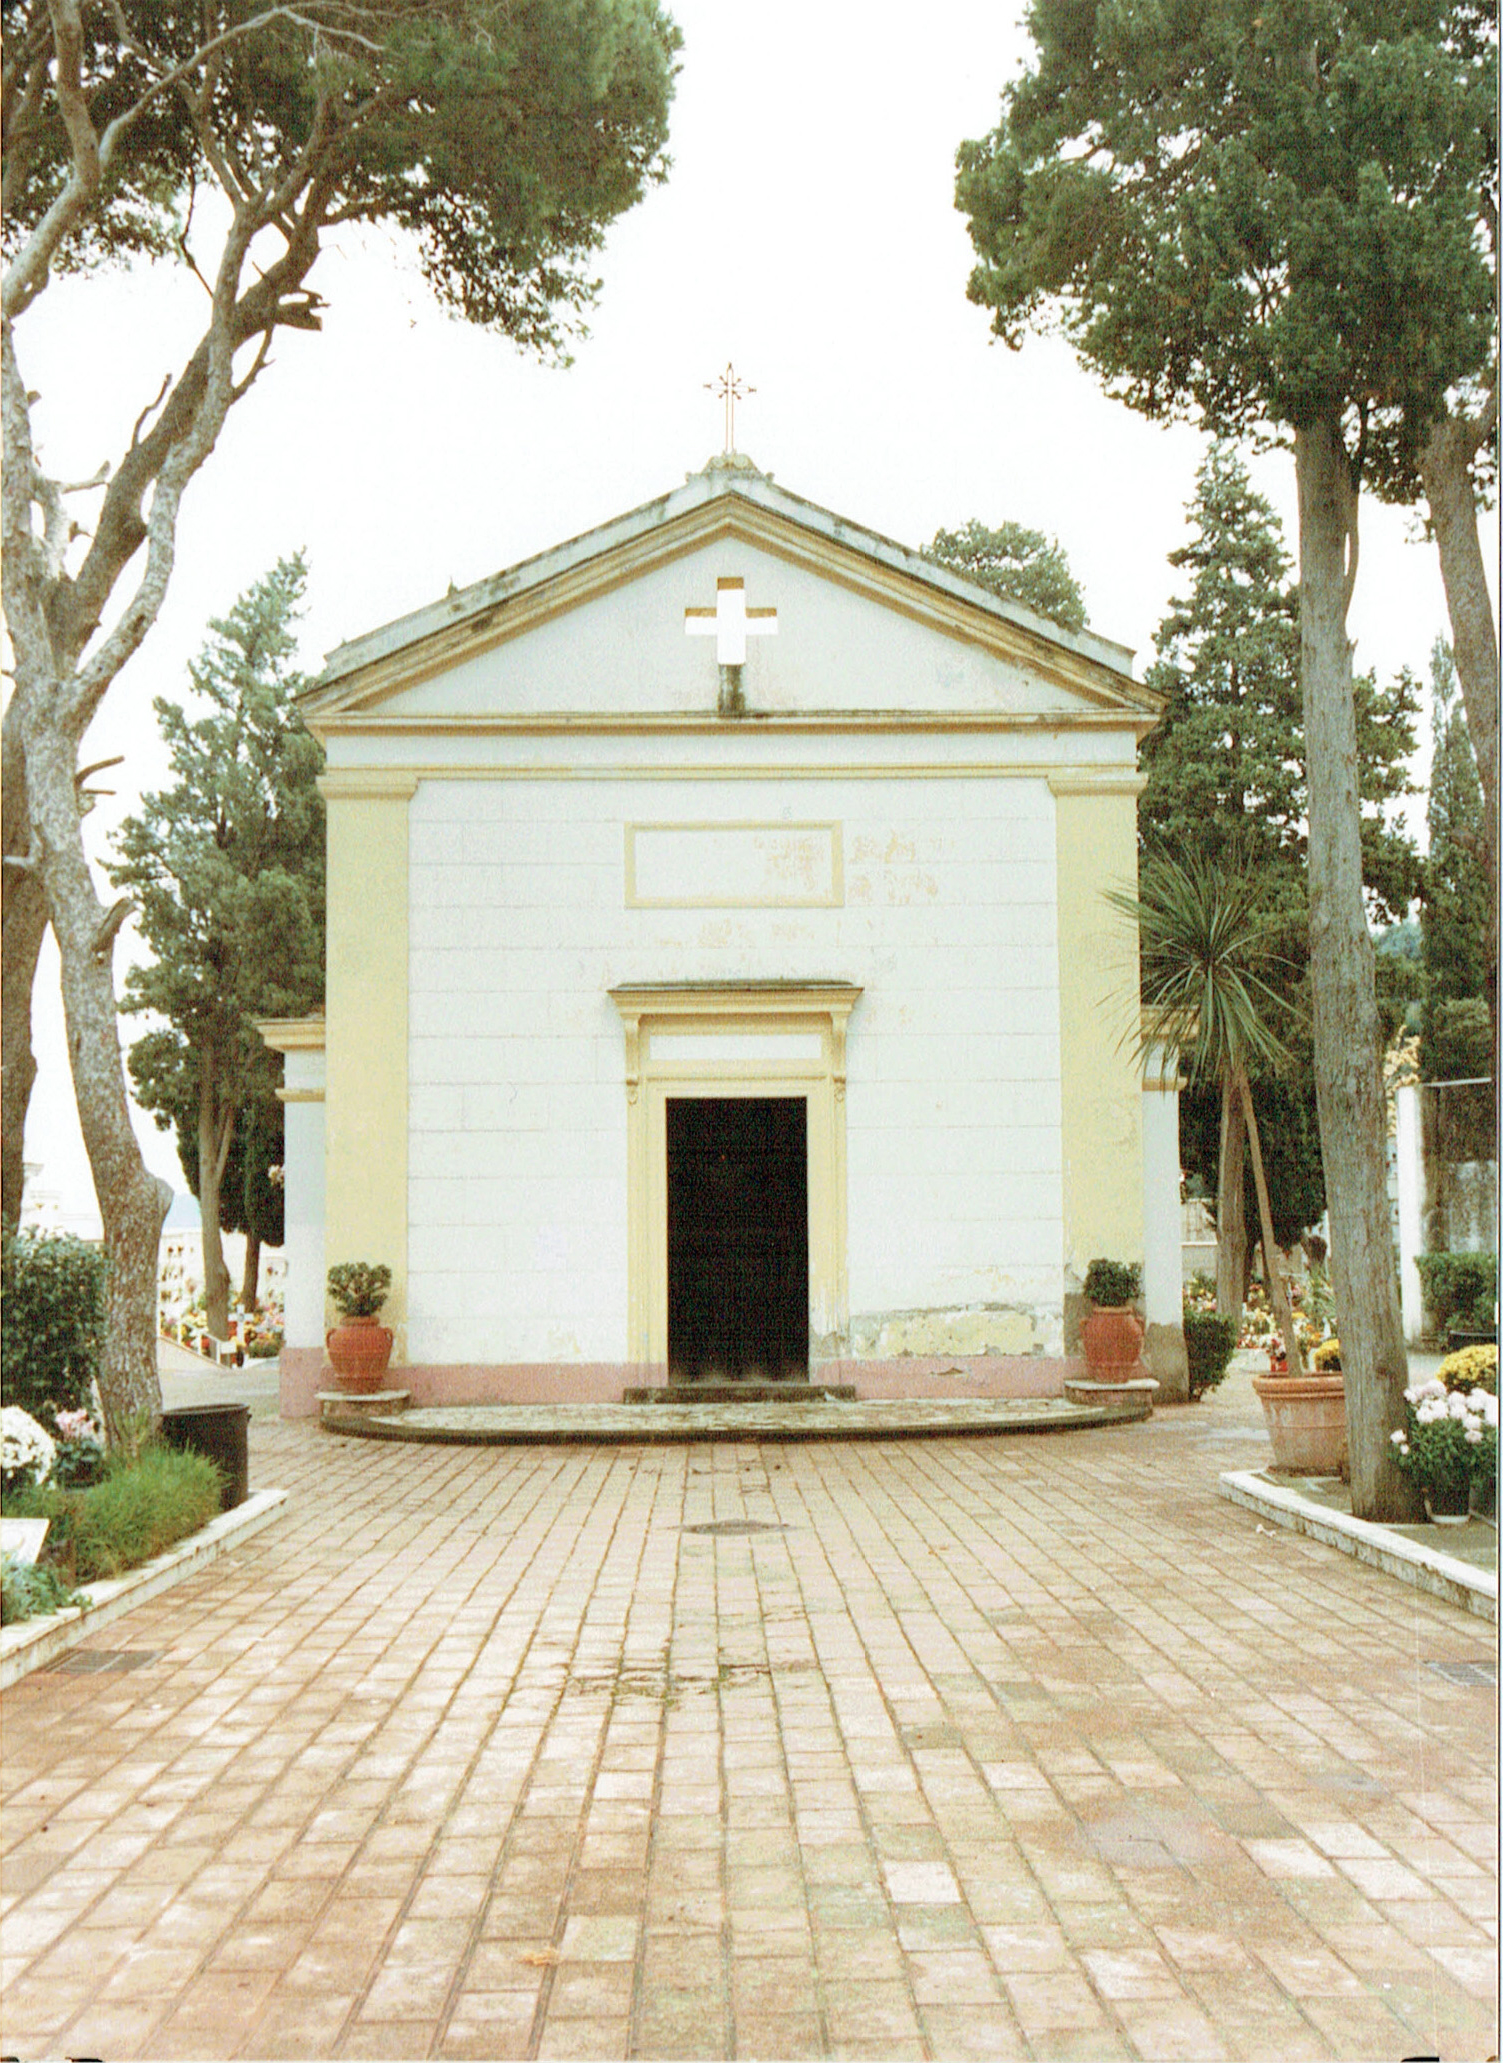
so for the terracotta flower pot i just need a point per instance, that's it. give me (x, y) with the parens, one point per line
(359, 1351)
(1112, 1337)
(1306, 1417)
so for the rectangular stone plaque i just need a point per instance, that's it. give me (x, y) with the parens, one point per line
(733, 867)
(23, 1537)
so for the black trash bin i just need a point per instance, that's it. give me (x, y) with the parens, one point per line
(220, 1432)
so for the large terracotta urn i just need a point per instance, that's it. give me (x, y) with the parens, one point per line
(359, 1351)
(1306, 1417)
(1111, 1336)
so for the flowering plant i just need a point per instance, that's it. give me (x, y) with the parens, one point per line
(1450, 1441)
(27, 1450)
(1470, 1368)
(80, 1449)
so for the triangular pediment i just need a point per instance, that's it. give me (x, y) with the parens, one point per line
(594, 632)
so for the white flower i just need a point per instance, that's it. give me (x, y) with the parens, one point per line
(26, 1449)
(1427, 1390)
(1398, 1439)
(1456, 1405)
(1474, 1435)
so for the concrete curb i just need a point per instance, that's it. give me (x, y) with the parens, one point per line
(36, 1642)
(1427, 1568)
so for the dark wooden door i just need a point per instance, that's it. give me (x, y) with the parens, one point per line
(738, 1237)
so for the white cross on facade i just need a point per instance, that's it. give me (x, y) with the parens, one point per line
(730, 622)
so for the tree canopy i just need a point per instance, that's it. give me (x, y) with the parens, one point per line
(1019, 564)
(1264, 211)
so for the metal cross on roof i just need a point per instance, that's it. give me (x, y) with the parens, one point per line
(731, 390)
(730, 622)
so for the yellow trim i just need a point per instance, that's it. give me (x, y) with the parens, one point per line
(833, 901)
(713, 1008)
(368, 784)
(365, 1135)
(292, 1034)
(300, 1095)
(1101, 1083)
(1086, 780)
(727, 517)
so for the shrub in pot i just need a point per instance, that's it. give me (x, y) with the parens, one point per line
(1112, 1335)
(359, 1348)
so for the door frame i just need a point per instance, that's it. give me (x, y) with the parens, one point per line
(733, 1039)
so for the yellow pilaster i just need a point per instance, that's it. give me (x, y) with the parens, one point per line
(1101, 1080)
(366, 1011)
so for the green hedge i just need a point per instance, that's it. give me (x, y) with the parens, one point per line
(1460, 1289)
(140, 1509)
(51, 1322)
(1210, 1343)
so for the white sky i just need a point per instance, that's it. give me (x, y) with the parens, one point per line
(807, 231)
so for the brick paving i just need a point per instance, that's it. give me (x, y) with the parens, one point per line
(985, 1748)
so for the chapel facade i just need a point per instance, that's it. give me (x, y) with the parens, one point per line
(721, 975)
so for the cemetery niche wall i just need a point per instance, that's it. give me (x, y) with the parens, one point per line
(719, 968)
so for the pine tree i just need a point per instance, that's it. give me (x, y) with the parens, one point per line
(1456, 917)
(1226, 781)
(1019, 564)
(227, 867)
(1224, 761)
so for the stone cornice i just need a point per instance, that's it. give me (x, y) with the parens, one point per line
(362, 675)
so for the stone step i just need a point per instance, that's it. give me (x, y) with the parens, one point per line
(743, 1393)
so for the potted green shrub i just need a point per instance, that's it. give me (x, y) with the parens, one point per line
(1112, 1334)
(359, 1348)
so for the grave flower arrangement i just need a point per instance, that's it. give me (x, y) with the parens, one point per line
(27, 1450)
(1449, 1442)
(80, 1450)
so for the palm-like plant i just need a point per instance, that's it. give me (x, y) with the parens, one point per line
(1204, 941)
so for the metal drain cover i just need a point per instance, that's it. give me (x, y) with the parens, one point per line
(1467, 1672)
(85, 1661)
(729, 1529)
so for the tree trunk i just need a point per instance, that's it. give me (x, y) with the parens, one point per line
(1445, 473)
(1273, 1267)
(1231, 1211)
(23, 925)
(1348, 1035)
(132, 1202)
(250, 1281)
(214, 1129)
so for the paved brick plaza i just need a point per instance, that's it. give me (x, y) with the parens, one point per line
(998, 1747)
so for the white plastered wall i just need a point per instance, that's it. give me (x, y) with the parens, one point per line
(517, 1184)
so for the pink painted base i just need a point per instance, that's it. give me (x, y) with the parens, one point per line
(305, 1371)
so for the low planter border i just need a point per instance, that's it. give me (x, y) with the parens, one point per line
(1427, 1568)
(33, 1643)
